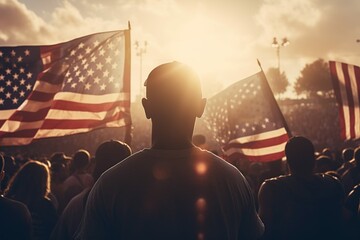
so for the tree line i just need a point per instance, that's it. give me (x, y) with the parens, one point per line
(314, 80)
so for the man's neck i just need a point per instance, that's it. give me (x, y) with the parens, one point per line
(171, 144)
(171, 139)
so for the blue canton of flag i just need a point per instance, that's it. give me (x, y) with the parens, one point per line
(94, 66)
(18, 71)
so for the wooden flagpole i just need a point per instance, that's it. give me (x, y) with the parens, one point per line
(272, 98)
(127, 75)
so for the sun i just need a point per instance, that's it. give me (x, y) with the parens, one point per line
(203, 44)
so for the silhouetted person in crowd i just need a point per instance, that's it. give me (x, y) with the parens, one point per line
(273, 169)
(347, 155)
(199, 140)
(31, 186)
(60, 165)
(324, 164)
(61, 158)
(107, 155)
(15, 219)
(79, 178)
(327, 152)
(351, 177)
(302, 205)
(352, 204)
(173, 190)
(10, 169)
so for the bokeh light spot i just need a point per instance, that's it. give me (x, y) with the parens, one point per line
(201, 168)
(201, 205)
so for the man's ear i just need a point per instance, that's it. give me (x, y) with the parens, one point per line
(201, 108)
(146, 105)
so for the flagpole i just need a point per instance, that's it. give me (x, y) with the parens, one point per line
(272, 98)
(127, 76)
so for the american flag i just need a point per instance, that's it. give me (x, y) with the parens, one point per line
(247, 121)
(346, 82)
(63, 89)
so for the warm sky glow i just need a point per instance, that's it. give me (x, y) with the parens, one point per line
(221, 40)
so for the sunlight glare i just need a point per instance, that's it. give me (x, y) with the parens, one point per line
(204, 45)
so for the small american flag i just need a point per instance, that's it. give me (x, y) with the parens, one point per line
(346, 82)
(63, 89)
(247, 121)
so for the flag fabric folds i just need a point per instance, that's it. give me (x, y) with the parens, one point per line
(346, 83)
(247, 121)
(63, 89)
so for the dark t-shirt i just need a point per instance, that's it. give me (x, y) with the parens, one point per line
(302, 208)
(15, 220)
(178, 194)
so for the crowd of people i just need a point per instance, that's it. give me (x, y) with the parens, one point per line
(177, 188)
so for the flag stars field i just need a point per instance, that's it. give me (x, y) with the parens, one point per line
(263, 138)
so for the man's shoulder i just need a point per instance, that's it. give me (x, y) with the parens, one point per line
(275, 181)
(124, 168)
(219, 165)
(276, 185)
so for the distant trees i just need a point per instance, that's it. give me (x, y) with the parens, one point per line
(314, 80)
(278, 82)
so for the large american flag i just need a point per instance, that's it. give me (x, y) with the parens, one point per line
(346, 82)
(247, 121)
(63, 89)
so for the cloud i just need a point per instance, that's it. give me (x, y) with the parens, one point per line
(19, 25)
(316, 29)
(324, 29)
(287, 17)
(335, 33)
(72, 23)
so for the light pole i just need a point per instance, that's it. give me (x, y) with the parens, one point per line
(140, 51)
(277, 45)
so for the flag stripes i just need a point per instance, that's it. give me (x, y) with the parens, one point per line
(346, 82)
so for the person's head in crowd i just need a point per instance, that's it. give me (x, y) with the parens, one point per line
(327, 152)
(30, 183)
(347, 154)
(90, 167)
(276, 165)
(60, 157)
(173, 101)
(334, 174)
(10, 169)
(58, 172)
(108, 154)
(255, 169)
(80, 161)
(300, 155)
(357, 156)
(199, 140)
(324, 164)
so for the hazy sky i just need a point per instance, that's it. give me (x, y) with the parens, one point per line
(220, 39)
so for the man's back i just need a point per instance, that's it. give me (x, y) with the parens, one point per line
(171, 194)
(294, 207)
